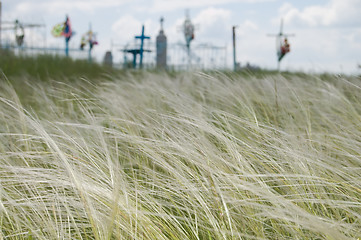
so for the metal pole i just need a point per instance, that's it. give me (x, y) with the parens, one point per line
(141, 49)
(90, 55)
(67, 47)
(134, 60)
(90, 47)
(189, 57)
(234, 48)
(225, 56)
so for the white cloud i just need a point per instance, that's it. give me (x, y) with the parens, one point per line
(64, 6)
(253, 46)
(214, 24)
(127, 27)
(247, 27)
(165, 5)
(336, 13)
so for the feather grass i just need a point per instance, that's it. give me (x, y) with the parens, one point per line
(189, 156)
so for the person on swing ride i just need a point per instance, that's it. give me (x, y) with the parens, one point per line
(19, 33)
(285, 48)
(88, 37)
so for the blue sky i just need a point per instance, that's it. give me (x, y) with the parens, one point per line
(328, 32)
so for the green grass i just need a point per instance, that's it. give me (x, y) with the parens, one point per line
(180, 156)
(44, 67)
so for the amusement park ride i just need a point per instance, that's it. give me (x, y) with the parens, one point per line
(188, 29)
(282, 44)
(59, 30)
(88, 38)
(65, 30)
(174, 55)
(19, 30)
(138, 51)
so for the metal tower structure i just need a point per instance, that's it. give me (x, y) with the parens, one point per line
(138, 51)
(161, 48)
(235, 65)
(282, 45)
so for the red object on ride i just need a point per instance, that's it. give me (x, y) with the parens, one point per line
(285, 48)
(67, 32)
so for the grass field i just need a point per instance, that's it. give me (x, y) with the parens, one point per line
(154, 155)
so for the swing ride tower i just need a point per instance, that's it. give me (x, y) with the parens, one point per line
(88, 38)
(280, 39)
(234, 48)
(63, 30)
(188, 29)
(141, 50)
(138, 51)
